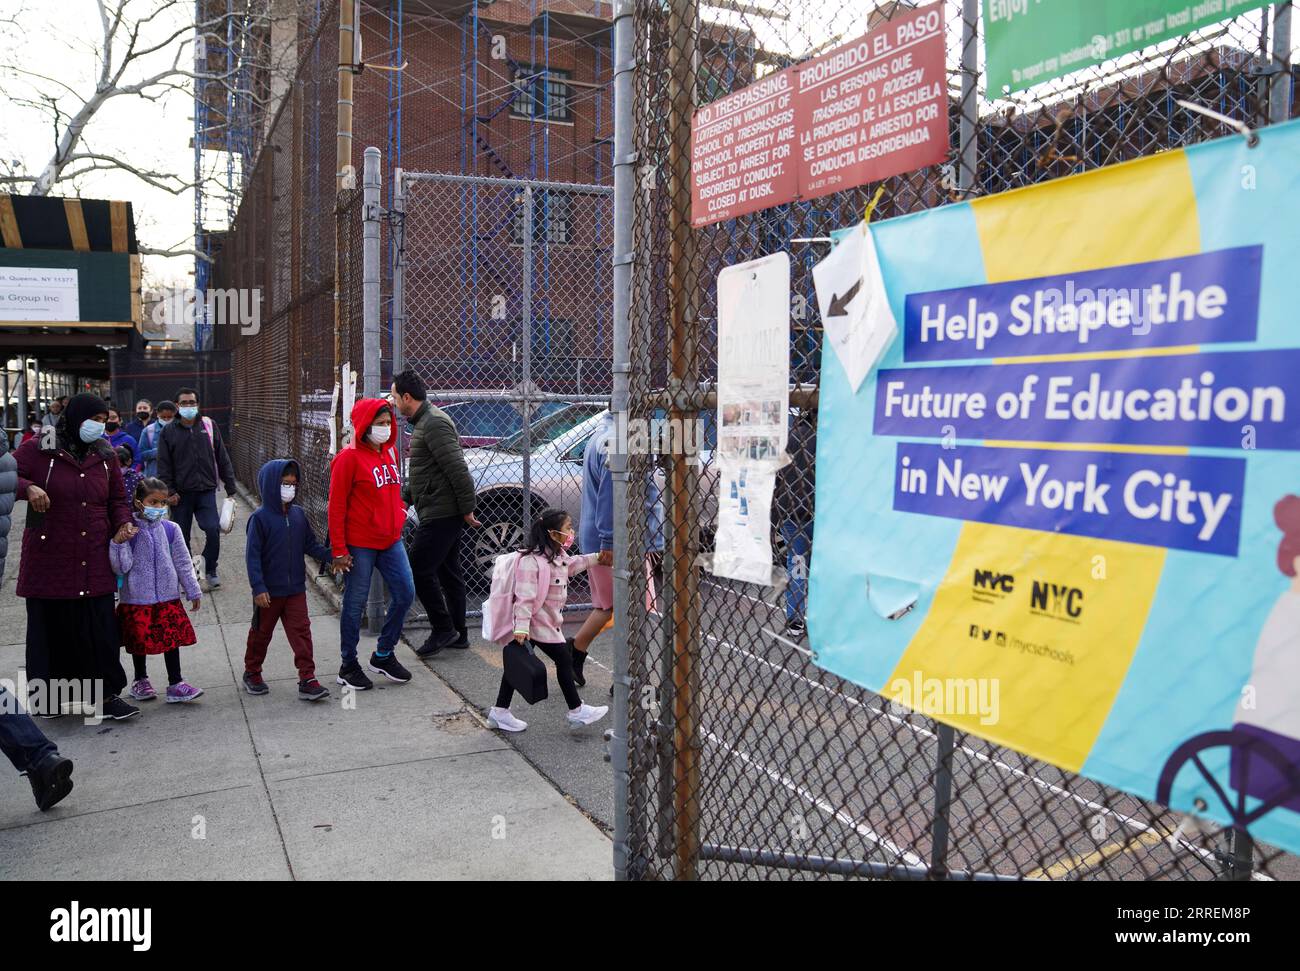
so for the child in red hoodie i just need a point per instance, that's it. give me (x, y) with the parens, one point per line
(366, 515)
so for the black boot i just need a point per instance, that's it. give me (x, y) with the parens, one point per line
(579, 659)
(51, 780)
(436, 642)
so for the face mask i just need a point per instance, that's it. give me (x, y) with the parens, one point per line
(565, 539)
(110, 426)
(91, 430)
(190, 412)
(154, 513)
(142, 415)
(287, 493)
(379, 433)
(164, 422)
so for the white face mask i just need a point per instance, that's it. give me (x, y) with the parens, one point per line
(287, 492)
(91, 430)
(380, 433)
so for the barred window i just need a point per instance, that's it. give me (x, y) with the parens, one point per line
(543, 93)
(552, 219)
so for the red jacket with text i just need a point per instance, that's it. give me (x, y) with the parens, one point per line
(365, 503)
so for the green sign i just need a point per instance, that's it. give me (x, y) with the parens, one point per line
(1031, 41)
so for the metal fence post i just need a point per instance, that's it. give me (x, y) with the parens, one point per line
(683, 270)
(398, 242)
(967, 181)
(370, 346)
(1279, 92)
(624, 190)
(526, 363)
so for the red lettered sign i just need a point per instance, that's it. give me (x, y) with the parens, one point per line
(873, 107)
(743, 151)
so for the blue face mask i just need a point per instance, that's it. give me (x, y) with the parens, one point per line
(91, 430)
(154, 513)
(189, 413)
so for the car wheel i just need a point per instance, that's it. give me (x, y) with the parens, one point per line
(486, 543)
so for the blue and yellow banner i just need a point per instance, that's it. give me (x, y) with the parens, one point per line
(1064, 512)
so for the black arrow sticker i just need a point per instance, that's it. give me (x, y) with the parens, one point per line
(840, 305)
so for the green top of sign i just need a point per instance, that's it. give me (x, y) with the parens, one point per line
(1032, 41)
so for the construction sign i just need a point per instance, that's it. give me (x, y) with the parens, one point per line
(1064, 512)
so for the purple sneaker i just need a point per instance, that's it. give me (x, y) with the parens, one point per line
(142, 690)
(182, 691)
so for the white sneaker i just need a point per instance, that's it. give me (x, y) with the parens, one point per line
(586, 714)
(505, 720)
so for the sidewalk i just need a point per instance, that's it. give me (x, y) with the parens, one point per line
(408, 785)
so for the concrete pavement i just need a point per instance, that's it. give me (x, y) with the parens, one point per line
(408, 784)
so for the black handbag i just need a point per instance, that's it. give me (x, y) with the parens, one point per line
(526, 674)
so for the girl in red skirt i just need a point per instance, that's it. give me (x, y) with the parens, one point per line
(156, 570)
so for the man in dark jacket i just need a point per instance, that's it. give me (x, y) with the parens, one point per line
(439, 486)
(192, 459)
(279, 535)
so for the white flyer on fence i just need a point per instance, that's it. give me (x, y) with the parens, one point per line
(753, 411)
(856, 316)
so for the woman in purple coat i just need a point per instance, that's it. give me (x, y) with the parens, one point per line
(77, 504)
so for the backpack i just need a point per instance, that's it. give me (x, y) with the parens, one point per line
(212, 444)
(499, 607)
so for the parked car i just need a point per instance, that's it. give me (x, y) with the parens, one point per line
(559, 443)
(483, 423)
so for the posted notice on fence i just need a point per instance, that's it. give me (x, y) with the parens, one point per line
(868, 109)
(1064, 512)
(1032, 41)
(874, 107)
(39, 293)
(753, 411)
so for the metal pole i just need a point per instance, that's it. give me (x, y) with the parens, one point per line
(1242, 858)
(683, 283)
(967, 172)
(399, 271)
(942, 802)
(624, 201)
(526, 379)
(968, 150)
(370, 349)
(371, 186)
(1279, 93)
(20, 410)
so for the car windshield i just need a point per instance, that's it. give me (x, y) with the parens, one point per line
(549, 428)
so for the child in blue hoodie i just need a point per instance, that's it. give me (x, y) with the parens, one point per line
(278, 537)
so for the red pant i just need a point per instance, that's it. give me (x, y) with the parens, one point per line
(292, 612)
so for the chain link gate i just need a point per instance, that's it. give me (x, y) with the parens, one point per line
(501, 304)
(742, 758)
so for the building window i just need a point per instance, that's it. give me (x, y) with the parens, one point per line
(552, 218)
(542, 93)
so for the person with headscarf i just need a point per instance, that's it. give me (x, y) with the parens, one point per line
(76, 504)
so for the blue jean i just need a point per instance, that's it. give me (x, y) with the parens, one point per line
(797, 547)
(20, 739)
(394, 567)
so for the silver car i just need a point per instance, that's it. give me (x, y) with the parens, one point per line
(558, 442)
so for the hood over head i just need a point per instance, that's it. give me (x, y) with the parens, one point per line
(364, 413)
(268, 482)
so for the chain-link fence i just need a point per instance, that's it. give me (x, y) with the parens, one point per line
(503, 308)
(294, 252)
(745, 759)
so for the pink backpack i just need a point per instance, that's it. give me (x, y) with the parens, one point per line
(499, 607)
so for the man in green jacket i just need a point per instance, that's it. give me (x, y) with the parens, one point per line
(439, 486)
